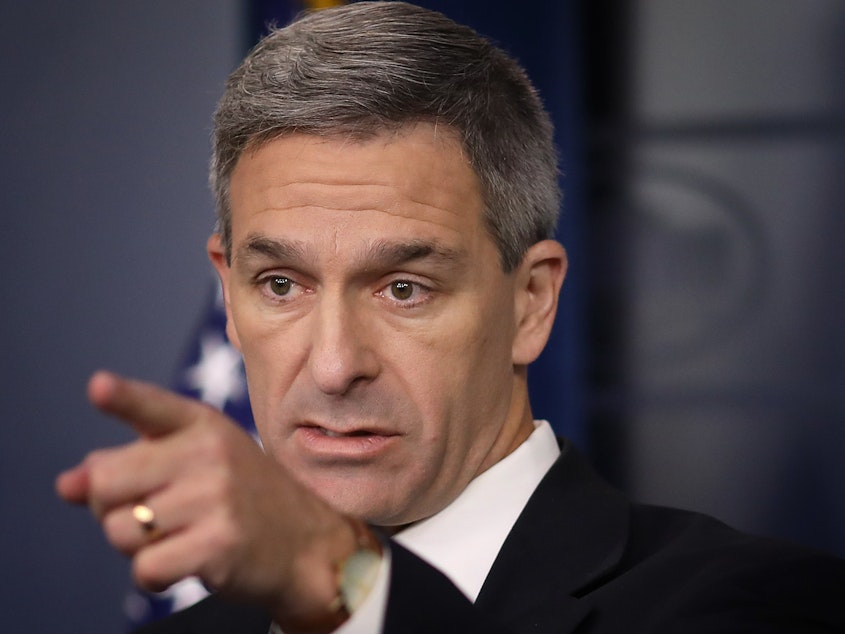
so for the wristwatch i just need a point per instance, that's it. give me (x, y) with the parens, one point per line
(357, 575)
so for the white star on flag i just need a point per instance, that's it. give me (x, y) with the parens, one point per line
(218, 373)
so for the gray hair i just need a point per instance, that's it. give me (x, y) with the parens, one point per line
(368, 67)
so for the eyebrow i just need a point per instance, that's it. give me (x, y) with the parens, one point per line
(259, 246)
(377, 254)
(391, 254)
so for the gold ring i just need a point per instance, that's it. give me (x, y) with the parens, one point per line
(146, 517)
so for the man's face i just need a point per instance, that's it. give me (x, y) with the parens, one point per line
(374, 318)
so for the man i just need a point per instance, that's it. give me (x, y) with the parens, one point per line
(387, 190)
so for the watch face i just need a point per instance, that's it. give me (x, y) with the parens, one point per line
(357, 577)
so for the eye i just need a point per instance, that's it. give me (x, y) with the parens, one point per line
(402, 290)
(406, 294)
(280, 285)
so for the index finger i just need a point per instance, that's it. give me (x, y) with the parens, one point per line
(150, 410)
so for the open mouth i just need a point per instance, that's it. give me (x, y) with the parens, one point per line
(358, 433)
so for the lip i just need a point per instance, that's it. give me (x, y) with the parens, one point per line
(353, 445)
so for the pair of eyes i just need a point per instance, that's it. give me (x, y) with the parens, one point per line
(400, 290)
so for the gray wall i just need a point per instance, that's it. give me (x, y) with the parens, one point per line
(104, 212)
(737, 273)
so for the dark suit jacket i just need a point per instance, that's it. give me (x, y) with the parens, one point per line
(583, 559)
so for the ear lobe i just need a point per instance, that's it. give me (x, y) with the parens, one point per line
(217, 255)
(539, 280)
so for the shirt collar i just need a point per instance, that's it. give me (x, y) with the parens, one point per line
(463, 539)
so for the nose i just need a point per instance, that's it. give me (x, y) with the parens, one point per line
(341, 354)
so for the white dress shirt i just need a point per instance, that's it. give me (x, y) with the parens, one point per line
(463, 540)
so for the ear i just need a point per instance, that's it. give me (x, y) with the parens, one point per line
(539, 278)
(217, 255)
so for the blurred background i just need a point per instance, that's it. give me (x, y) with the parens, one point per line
(700, 351)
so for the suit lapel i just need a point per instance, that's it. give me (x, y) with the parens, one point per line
(570, 534)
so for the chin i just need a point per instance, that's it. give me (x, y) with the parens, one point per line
(365, 500)
(375, 514)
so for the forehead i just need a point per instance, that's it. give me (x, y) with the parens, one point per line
(415, 180)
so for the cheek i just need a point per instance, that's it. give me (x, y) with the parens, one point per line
(460, 371)
(273, 355)
(484, 354)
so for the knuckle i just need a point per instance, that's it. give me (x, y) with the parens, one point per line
(147, 574)
(212, 445)
(116, 533)
(101, 487)
(223, 545)
(97, 464)
(220, 490)
(111, 528)
(223, 535)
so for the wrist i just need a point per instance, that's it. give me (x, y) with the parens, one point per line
(352, 576)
